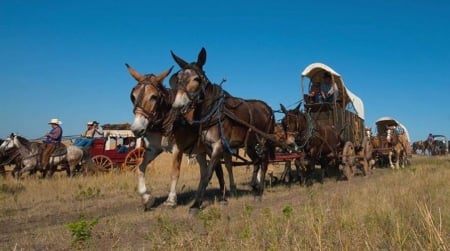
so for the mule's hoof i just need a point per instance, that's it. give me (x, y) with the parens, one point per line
(148, 201)
(194, 211)
(170, 204)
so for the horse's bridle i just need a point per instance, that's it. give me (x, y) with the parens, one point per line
(138, 106)
(182, 84)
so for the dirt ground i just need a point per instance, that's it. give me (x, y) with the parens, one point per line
(35, 212)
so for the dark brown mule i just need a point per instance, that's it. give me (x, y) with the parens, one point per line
(226, 123)
(320, 143)
(152, 119)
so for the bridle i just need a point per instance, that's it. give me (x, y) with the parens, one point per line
(296, 131)
(140, 99)
(183, 80)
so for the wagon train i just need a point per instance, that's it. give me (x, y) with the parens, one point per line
(198, 116)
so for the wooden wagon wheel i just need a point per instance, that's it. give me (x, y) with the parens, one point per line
(133, 159)
(103, 163)
(348, 159)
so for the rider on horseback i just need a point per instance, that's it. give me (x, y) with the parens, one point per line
(52, 140)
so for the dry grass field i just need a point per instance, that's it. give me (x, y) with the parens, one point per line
(406, 209)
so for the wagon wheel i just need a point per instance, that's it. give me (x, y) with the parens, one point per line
(103, 163)
(348, 159)
(133, 159)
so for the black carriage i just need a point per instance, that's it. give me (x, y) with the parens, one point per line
(117, 149)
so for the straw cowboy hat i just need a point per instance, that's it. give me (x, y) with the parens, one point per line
(90, 123)
(55, 121)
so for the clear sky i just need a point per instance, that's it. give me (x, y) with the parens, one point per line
(65, 59)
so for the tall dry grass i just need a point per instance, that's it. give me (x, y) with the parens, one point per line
(406, 209)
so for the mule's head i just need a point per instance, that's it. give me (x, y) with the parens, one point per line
(190, 81)
(147, 97)
(291, 124)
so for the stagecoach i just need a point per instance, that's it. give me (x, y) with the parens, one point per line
(382, 147)
(117, 149)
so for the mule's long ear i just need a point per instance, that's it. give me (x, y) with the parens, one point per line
(179, 61)
(201, 60)
(283, 109)
(163, 75)
(136, 75)
(298, 106)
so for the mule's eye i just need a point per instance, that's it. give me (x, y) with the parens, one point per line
(152, 99)
(132, 96)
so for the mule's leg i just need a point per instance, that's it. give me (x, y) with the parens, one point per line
(205, 176)
(390, 159)
(229, 165)
(263, 163)
(397, 159)
(223, 190)
(177, 156)
(147, 198)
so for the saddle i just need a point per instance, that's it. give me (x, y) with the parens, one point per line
(61, 149)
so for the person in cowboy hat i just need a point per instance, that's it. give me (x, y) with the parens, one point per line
(51, 141)
(88, 137)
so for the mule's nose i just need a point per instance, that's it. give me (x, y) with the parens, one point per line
(138, 132)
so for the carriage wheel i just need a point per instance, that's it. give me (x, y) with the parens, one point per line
(103, 163)
(133, 159)
(348, 159)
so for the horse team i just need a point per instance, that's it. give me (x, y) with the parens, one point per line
(196, 116)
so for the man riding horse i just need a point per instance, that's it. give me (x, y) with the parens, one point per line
(52, 140)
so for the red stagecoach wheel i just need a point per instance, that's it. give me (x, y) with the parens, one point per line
(103, 163)
(133, 159)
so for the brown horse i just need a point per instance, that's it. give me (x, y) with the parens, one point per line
(225, 123)
(398, 143)
(321, 143)
(152, 119)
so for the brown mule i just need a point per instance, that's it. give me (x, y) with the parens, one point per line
(320, 143)
(152, 119)
(225, 123)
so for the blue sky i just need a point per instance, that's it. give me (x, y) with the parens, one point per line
(65, 59)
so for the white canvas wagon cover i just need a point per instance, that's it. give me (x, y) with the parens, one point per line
(388, 121)
(312, 70)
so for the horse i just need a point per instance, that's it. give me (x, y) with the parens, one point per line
(321, 143)
(398, 143)
(9, 157)
(224, 123)
(31, 154)
(152, 103)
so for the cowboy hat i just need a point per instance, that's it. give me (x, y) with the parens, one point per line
(90, 123)
(55, 121)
